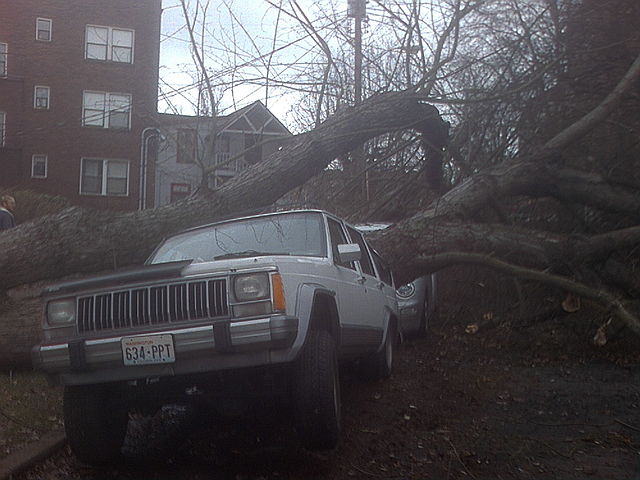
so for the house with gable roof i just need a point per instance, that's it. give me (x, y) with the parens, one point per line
(242, 138)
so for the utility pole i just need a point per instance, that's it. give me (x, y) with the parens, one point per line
(357, 9)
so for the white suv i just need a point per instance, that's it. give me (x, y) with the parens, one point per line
(253, 306)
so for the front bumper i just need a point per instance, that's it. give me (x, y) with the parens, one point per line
(201, 348)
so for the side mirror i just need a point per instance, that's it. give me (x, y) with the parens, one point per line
(349, 252)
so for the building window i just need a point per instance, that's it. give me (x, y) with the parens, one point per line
(186, 145)
(43, 29)
(179, 191)
(109, 44)
(106, 110)
(100, 176)
(4, 52)
(3, 128)
(41, 97)
(38, 166)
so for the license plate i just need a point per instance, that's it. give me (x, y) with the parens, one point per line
(148, 350)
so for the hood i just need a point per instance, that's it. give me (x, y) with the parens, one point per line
(123, 276)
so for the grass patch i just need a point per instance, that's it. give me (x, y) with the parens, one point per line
(29, 408)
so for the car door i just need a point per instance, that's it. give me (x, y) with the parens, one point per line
(356, 332)
(375, 296)
(386, 278)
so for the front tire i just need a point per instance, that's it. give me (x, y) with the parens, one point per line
(95, 422)
(317, 393)
(380, 365)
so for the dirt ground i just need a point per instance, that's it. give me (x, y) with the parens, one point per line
(28, 410)
(536, 402)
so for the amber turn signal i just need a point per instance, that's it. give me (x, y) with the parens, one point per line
(277, 293)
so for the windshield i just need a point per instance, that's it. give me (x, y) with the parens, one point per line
(287, 234)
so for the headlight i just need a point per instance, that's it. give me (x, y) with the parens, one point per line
(405, 291)
(251, 287)
(61, 312)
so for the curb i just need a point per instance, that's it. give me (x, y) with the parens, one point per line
(31, 454)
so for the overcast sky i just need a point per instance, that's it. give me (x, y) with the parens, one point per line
(247, 24)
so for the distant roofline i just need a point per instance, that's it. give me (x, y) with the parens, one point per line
(170, 119)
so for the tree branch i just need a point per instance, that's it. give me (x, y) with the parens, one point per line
(604, 298)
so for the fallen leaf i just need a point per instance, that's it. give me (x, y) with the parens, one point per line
(472, 328)
(571, 303)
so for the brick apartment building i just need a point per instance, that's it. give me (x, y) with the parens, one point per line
(78, 93)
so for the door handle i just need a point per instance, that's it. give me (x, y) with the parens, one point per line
(380, 285)
(361, 280)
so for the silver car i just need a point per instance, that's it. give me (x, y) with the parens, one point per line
(264, 305)
(417, 304)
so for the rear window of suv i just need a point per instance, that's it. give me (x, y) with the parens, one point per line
(299, 234)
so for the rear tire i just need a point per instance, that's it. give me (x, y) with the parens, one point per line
(95, 422)
(317, 393)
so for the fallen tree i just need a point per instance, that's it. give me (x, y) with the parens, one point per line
(446, 232)
(81, 241)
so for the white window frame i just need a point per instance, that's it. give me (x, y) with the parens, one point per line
(34, 158)
(35, 97)
(102, 112)
(38, 29)
(105, 177)
(3, 128)
(4, 56)
(109, 44)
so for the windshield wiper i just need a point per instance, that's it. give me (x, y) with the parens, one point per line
(247, 253)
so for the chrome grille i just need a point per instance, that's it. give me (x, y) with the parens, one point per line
(160, 304)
